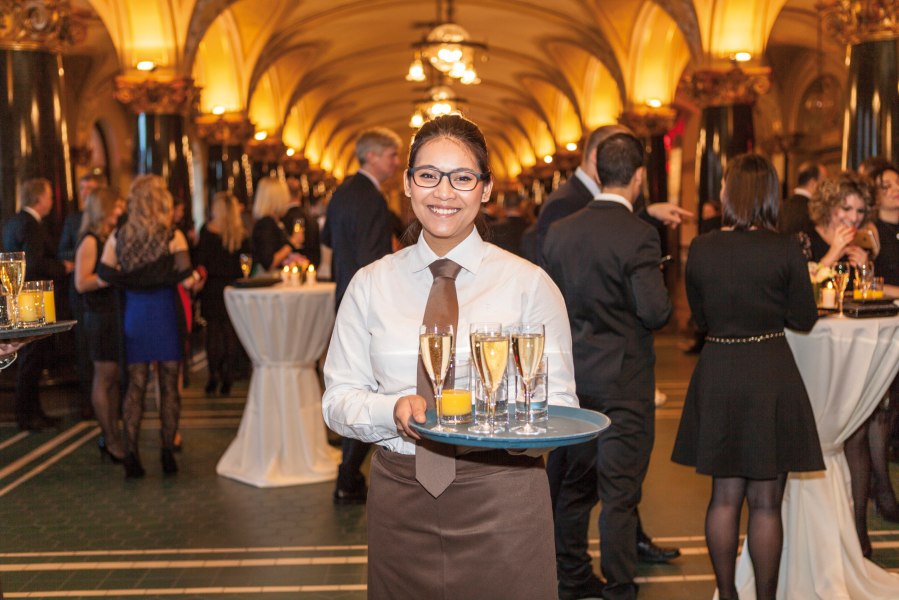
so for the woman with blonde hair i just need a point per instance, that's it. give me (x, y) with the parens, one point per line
(271, 244)
(102, 209)
(841, 207)
(153, 257)
(222, 240)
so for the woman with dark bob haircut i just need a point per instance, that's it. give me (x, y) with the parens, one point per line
(746, 429)
(454, 540)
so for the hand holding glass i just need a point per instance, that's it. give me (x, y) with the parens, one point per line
(436, 348)
(527, 347)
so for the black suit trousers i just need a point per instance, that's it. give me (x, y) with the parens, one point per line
(621, 465)
(32, 359)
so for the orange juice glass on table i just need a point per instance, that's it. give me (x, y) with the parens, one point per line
(49, 301)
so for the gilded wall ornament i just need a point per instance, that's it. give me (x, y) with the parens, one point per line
(647, 121)
(710, 87)
(231, 129)
(856, 21)
(40, 25)
(157, 96)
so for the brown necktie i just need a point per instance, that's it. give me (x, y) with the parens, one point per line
(435, 464)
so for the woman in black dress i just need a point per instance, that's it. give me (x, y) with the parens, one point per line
(222, 241)
(102, 209)
(741, 425)
(271, 243)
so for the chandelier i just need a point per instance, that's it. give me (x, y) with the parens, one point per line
(441, 100)
(448, 49)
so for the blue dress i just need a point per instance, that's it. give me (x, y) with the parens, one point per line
(151, 326)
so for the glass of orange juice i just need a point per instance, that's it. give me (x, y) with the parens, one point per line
(49, 301)
(456, 407)
(31, 305)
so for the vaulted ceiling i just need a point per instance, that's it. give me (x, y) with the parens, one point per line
(313, 73)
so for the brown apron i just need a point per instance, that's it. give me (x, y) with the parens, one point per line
(489, 535)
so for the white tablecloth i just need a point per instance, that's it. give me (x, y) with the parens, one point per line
(281, 439)
(847, 366)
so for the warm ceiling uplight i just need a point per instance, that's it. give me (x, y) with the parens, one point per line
(260, 135)
(145, 65)
(571, 146)
(218, 110)
(547, 159)
(654, 103)
(742, 56)
(417, 120)
(290, 152)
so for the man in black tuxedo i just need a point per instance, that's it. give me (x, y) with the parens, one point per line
(606, 262)
(358, 228)
(576, 465)
(26, 232)
(794, 212)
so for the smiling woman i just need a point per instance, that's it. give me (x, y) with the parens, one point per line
(457, 533)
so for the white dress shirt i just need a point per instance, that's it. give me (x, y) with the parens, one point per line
(615, 198)
(588, 181)
(373, 357)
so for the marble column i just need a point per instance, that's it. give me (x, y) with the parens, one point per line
(34, 140)
(726, 128)
(871, 105)
(161, 143)
(227, 164)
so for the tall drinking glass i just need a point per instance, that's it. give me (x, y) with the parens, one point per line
(12, 276)
(436, 348)
(528, 340)
(841, 273)
(490, 353)
(246, 264)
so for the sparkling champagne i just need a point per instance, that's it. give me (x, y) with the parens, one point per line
(491, 355)
(436, 351)
(527, 348)
(12, 276)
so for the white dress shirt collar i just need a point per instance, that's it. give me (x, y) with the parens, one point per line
(33, 213)
(374, 181)
(802, 192)
(468, 254)
(615, 198)
(588, 181)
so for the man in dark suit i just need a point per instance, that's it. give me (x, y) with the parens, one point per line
(794, 212)
(606, 262)
(26, 232)
(577, 464)
(358, 228)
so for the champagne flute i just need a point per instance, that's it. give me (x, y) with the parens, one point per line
(490, 352)
(841, 272)
(246, 264)
(12, 277)
(436, 348)
(528, 340)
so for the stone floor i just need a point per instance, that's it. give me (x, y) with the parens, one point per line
(71, 526)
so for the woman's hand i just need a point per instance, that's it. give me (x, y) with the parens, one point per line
(297, 238)
(414, 407)
(857, 255)
(842, 237)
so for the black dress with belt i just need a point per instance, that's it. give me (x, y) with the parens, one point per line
(747, 412)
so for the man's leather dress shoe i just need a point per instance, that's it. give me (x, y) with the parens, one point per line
(650, 553)
(342, 497)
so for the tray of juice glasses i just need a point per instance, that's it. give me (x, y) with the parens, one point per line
(15, 333)
(564, 426)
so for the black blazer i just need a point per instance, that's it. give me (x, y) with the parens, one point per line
(606, 262)
(311, 248)
(23, 233)
(568, 198)
(357, 228)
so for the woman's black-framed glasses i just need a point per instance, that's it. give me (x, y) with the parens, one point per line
(462, 180)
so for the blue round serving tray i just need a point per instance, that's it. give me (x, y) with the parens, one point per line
(566, 426)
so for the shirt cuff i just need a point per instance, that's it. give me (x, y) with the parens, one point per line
(382, 411)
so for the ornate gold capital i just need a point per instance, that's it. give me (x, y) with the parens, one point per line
(48, 25)
(228, 129)
(711, 87)
(267, 151)
(856, 21)
(157, 96)
(647, 121)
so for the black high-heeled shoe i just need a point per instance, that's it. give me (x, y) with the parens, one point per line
(885, 506)
(133, 468)
(169, 466)
(105, 453)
